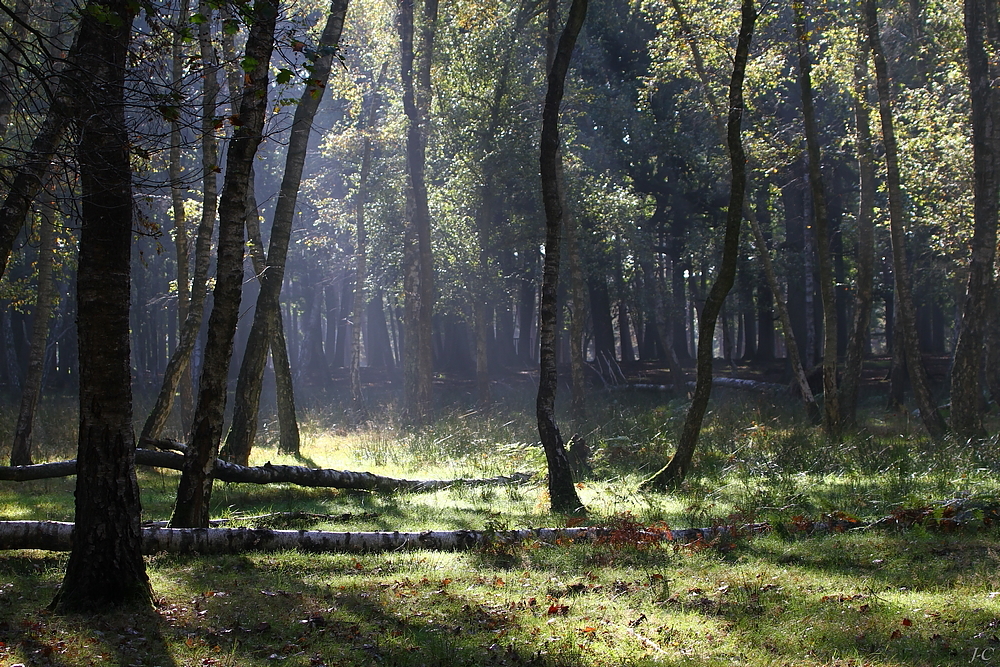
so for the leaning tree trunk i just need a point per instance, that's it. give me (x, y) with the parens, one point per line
(864, 297)
(831, 403)
(29, 178)
(105, 566)
(262, 333)
(780, 301)
(419, 273)
(177, 370)
(966, 390)
(672, 475)
(177, 191)
(907, 322)
(562, 492)
(195, 488)
(20, 450)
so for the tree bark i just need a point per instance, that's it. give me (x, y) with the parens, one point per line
(863, 297)
(419, 277)
(929, 414)
(20, 450)
(268, 474)
(361, 250)
(177, 191)
(105, 566)
(966, 389)
(178, 366)
(195, 488)
(831, 402)
(562, 492)
(267, 313)
(672, 475)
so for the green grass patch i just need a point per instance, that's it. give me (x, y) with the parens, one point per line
(863, 597)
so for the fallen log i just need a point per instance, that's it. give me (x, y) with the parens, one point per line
(57, 536)
(269, 474)
(726, 382)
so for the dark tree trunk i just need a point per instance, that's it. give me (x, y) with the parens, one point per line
(929, 414)
(419, 283)
(105, 566)
(562, 492)
(267, 313)
(195, 488)
(864, 297)
(966, 392)
(831, 403)
(177, 370)
(525, 318)
(20, 450)
(672, 475)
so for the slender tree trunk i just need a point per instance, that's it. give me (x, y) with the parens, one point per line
(361, 249)
(10, 64)
(966, 390)
(105, 566)
(419, 282)
(29, 178)
(864, 297)
(929, 414)
(831, 402)
(177, 189)
(672, 475)
(195, 488)
(44, 300)
(562, 492)
(780, 301)
(178, 367)
(262, 333)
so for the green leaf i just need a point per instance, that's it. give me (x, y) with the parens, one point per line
(248, 63)
(230, 26)
(284, 76)
(198, 19)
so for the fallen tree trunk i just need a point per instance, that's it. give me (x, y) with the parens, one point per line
(57, 536)
(268, 474)
(727, 382)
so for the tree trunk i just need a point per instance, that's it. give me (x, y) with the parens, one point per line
(672, 475)
(361, 251)
(831, 403)
(863, 298)
(562, 492)
(31, 392)
(929, 414)
(195, 488)
(267, 313)
(177, 370)
(419, 280)
(29, 178)
(966, 390)
(177, 190)
(105, 566)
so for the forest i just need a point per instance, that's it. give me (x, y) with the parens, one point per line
(590, 290)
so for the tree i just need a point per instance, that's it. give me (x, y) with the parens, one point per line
(562, 493)
(20, 450)
(105, 566)
(929, 414)
(831, 404)
(672, 475)
(966, 392)
(267, 313)
(195, 489)
(418, 356)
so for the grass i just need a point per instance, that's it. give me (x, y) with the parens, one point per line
(866, 597)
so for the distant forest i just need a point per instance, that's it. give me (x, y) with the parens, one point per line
(392, 217)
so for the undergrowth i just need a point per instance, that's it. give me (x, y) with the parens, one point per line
(882, 597)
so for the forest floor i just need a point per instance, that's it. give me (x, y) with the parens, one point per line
(882, 596)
